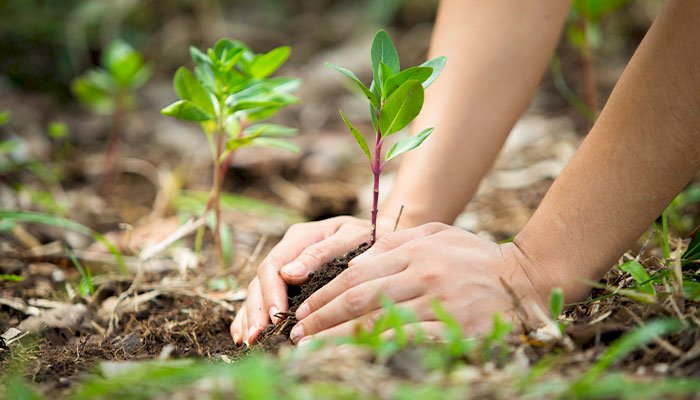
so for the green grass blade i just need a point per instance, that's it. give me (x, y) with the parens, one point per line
(63, 223)
(625, 345)
(640, 275)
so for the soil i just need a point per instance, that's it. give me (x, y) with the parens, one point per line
(276, 335)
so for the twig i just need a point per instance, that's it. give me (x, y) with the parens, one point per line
(184, 230)
(398, 218)
(658, 340)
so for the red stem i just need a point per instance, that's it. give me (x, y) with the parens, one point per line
(377, 171)
(111, 163)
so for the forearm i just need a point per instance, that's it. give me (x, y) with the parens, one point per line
(496, 53)
(643, 150)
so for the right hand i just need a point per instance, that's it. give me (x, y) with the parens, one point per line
(303, 249)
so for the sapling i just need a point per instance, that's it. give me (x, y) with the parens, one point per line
(110, 90)
(230, 90)
(395, 99)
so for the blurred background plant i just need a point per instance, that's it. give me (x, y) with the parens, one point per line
(111, 90)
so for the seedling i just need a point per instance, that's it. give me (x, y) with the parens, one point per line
(229, 90)
(110, 90)
(395, 98)
(583, 31)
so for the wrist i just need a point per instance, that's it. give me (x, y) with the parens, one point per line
(548, 269)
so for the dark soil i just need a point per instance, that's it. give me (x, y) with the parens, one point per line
(276, 335)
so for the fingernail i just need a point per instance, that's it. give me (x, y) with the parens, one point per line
(236, 338)
(297, 333)
(273, 312)
(305, 341)
(303, 311)
(251, 332)
(295, 269)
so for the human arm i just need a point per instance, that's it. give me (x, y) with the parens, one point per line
(496, 54)
(641, 152)
(497, 51)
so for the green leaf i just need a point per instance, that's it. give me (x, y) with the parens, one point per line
(195, 201)
(205, 74)
(692, 253)
(556, 302)
(125, 64)
(4, 117)
(383, 50)
(189, 88)
(368, 93)
(401, 107)
(227, 53)
(385, 73)
(278, 143)
(407, 144)
(270, 130)
(640, 275)
(198, 57)
(11, 278)
(266, 64)
(226, 237)
(691, 290)
(186, 110)
(57, 129)
(417, 73)
(358, 137)
(94, 89)
(437, 64)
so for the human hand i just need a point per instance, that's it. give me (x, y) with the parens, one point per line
(413, 268)
(303, 249)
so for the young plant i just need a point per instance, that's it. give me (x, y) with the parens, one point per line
(395, 98)
(228, 92)
(583, 31)
(110, 90)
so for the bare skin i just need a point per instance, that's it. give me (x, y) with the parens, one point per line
(638, 156)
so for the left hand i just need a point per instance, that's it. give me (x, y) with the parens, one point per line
(413, 268)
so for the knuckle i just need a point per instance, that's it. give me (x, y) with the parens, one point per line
(355, 302)
(434, 227)
(350, 277)
(296, 229)
(316, 300)
(385, 242)
(269, 263)
(317, 253)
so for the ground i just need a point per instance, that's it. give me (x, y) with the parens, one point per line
(157, 323)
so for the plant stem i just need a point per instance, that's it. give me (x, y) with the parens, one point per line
(215, 198)
(589, 80)
(112, 153)
(377, 171)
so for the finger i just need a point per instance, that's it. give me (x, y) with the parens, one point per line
(353, 303)
(368, 322)
(314, 256)
(236, 326)
(295, 240)
(390, 242)
(256, 316)
(273, 289)
(378, 267)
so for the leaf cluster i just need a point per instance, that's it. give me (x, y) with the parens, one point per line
(395, 96)
(590, 13)
(230, 88)
(123, 71)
